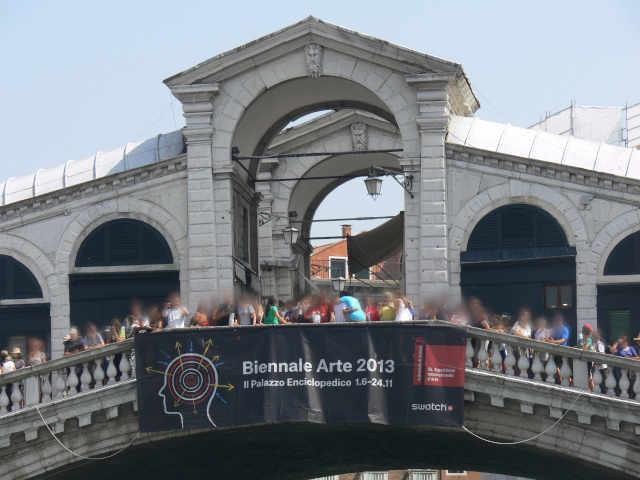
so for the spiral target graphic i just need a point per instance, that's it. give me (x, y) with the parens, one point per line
(192, 378)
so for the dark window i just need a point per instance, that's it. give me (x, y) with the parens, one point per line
(516, 226)
(558, 296)
(619, 323)
(124, 242)
(624, 259)
(338, 268)
(362, 274)
(16, 280)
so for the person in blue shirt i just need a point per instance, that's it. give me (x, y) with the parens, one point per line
(353, 311)
(559, 335)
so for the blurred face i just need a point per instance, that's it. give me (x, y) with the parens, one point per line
(92, 332)
(622, 342)
(136, 311)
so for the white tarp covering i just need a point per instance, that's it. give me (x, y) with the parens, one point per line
(633, 125)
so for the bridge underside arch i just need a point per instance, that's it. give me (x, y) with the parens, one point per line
(302, 451)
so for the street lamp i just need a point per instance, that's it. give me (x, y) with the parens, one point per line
(374, 183)
(291, 233)
(338, 283)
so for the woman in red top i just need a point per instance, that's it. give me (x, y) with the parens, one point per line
(200, 318)
(322, 310)
(371, 310)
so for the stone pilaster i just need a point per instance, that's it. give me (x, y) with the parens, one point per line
(426, 222)
(203, 249)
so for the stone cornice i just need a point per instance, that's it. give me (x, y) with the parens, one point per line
(195, 93)
(323, 126)
(294, 37)
(555, 171)
(99, 186)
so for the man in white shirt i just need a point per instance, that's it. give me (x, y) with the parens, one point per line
(174, 312)
(338, 309)
(8, 366)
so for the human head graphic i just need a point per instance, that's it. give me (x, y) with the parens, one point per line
(190, 384)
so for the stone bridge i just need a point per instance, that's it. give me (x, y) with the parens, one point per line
(590, 435)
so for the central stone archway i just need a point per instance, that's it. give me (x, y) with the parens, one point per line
(240, 100)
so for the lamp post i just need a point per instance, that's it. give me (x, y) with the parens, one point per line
(339, 283)
(374, 184)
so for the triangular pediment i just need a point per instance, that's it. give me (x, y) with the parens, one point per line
(313, 30)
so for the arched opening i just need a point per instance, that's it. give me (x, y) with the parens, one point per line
(295, 103)
(118, 261)
(23, 313)
(618, 299)
(518, 256)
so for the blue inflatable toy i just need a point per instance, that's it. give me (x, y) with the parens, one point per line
(358, 315)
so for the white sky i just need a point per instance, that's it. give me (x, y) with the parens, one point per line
(80, 77)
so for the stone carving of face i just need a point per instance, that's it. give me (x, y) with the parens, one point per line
(359, 136)
(313, 55)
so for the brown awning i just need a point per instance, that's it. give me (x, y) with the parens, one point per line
(375, 246)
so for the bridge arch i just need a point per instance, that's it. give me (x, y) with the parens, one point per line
(560, 208)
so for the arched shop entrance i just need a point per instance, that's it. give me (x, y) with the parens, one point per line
(23, 313)
(120, 260)
(518, 256)
(619, 290)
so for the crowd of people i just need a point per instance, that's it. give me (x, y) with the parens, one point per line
(320, 308)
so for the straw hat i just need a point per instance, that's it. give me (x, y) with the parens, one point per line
(4, 352)
(16, 351)
(8, 358)
(65, 338)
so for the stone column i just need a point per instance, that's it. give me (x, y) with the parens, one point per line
(427, 217)
(202, 263)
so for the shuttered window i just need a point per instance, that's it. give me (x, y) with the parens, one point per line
(16, 280)
(124, 242)
(516, 226)
(624, 259)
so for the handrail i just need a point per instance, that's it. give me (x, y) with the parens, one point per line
(66, 362)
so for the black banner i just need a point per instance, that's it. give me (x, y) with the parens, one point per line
(386, 373)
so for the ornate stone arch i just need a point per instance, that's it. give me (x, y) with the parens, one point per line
(607, 239)
(103, 212)
(35, 260)
(557, 205)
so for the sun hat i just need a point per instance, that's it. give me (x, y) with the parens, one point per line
(638, 338)
(65, 338)
(16, 351)
(73, 331)
(4, 352)
(8, 358)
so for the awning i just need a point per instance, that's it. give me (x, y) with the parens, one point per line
(375, 246)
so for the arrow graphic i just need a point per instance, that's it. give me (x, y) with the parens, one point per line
(179, 354)
(218, 395)
(209, 343)
(194, 406)
(149, 370)
(230, 387)
(191, 349)
(165, 353)
(162, 363)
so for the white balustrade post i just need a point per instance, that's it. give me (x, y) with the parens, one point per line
(125, 367)
(623, 384)
(565, 371)
(469, 353)
(72, 381)
(536, 366)
(496, 358)
(4, 400)
(551, 369)
(85, 378)
(16, 397)
(47, 389)
(510, 361)
(597, 379)
(483, 356)
(610, 382)
(636, 385)
(60, 386)
(112, 371)
(523, 363)
(98, 373)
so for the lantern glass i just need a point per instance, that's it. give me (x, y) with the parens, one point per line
(291, 235)
(374, 185)
(339, 283)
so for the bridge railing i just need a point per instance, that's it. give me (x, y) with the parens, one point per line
(66, 376)
(526, 358)
(549, 363)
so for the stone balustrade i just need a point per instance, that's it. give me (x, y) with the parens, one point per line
(549, 363)
(525, 358)
(65, 377)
